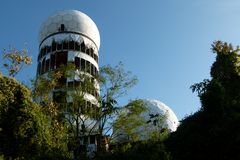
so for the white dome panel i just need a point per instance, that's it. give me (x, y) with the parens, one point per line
(74, 21)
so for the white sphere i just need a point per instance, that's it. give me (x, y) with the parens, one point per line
(167, 119)
(157, 107)
(74, 21)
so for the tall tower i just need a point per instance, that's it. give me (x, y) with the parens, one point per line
(70, 36)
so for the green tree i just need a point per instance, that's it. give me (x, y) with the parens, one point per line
(15, 59)
(213, 131)
(25, 131)
(23, 127)
(127, 125)
(114, 83)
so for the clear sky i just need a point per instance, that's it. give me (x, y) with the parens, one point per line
(165, 43)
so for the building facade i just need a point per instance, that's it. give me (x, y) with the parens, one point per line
(71, 37)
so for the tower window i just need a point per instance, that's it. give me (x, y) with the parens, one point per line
(59, 96)
(59, 46)
(52, 61)
(77, 46)
(83, 48)
(62, 28)
(71, 45)
(47, 65)
(92, 139)
(92, 69)
(54, 46)
(88, 51)
(83, 64)
(88, 66)
(65, 45)
(77, 62)
(43, 66)
(49, 48)
(61, 59)
(91, 52)
(44, 51)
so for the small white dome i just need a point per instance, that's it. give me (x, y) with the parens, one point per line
(153, 107)
(157, 107)
(73, 21)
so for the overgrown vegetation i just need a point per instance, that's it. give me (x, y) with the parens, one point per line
(40, 131)
(213, 131)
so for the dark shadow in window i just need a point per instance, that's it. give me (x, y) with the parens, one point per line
(61, 59)
(62, 28)
(43, 66)
(65, 45)
(77, 46)
(83, 66)
(59, 97)
(47, 65)
(52, 61)
(71, 45)
(54, 46)
(77, 62)
(59, 46)
(83, 47)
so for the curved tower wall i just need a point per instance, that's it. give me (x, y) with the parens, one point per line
(70, 37)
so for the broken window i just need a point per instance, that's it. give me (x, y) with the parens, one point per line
(91, 53)
(70, 84)
(62, 81)
(59, 46)
(85, 141)
(65, 45)
(71, 45)
(83, 107)
(88, 67)
(59, 97)
(47, 65)
(44, 51)
(54, 46)
(61, 58)
(48, 48)
(77, 62)
(88, 51)
(92, 139)
(41, 53)
(83, 64)
(77, 46)
(92, 69)
(83, 48)
(76, 83)
(43, 66)
(62, 28)
(52, 61)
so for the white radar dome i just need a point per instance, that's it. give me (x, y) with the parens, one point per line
(73, 21)
(157, 107)
(153, 107)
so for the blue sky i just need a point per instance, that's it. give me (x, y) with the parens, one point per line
(165, 43)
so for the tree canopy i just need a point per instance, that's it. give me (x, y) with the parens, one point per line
(213, 131)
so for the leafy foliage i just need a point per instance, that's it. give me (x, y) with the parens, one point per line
(213, 132)
(21, 121)
(129, 121)
(150, 150)
(15, 60)
(25, 132)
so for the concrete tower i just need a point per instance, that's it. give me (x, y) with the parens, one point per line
(70, 36)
